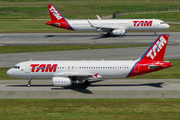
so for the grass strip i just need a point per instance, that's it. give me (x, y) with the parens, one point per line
(19, 49)
(90, 109)
(31, 15)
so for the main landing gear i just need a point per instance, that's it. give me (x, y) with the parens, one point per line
(155, 33)
(84, 84)
(108, 34)
(29, 83)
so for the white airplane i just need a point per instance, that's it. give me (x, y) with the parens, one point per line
(66, 73)
(112, 27)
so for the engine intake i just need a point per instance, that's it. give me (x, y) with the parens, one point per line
(61, 81)
(119, 32)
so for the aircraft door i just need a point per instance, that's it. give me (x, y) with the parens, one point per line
(130, 24)
(155, 24)
(136, 69)
(27, 68)
(64, 24)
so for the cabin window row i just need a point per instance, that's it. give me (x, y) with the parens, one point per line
(92, 67)
(79, 67)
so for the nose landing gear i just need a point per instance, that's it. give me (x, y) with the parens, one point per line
(29, 83)
(155, 33)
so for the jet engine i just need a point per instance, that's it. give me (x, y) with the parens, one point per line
(61, 81)
(119, 32)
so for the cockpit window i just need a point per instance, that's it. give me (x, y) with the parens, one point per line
(16, 67)
(162, 23)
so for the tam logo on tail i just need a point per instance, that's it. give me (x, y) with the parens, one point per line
(156, 48)
(55, 13)
(57, 19)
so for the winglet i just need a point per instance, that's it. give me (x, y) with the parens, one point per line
(97, 75)
(90, 23)
(98, 17)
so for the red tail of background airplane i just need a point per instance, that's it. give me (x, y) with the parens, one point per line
(55, 14)
(57, 19)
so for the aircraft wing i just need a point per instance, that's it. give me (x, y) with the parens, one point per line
(105, 28)
(80, 75)
(99, 27)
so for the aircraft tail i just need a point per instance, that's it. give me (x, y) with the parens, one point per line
(157, 50)
(55, 14)
(152, 60)
(57, 19)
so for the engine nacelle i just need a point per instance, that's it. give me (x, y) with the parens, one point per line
(61, 81)
(119, 32)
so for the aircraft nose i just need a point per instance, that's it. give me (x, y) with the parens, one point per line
(167, 26)
(9, 72)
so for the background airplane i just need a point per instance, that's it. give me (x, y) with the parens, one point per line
(66, 73)
(112, 27)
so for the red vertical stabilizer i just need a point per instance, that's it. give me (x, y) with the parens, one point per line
(152, 60)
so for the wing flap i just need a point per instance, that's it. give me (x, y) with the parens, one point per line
(74, 74)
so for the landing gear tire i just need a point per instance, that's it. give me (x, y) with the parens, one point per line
(86, 82)
(155, 33)
(29, 83)
(108, 34)
(83, 86)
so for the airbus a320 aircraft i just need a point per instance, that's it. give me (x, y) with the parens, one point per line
(112, 27)
(66, 73)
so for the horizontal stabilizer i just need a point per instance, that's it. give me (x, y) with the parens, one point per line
(152, 67)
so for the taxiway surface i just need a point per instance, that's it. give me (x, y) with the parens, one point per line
(114, 88)
(9, 60)
(146, 38)
(96, 38)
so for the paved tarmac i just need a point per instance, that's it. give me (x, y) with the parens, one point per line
(114, 88)
(97, 38)
(9, 60)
